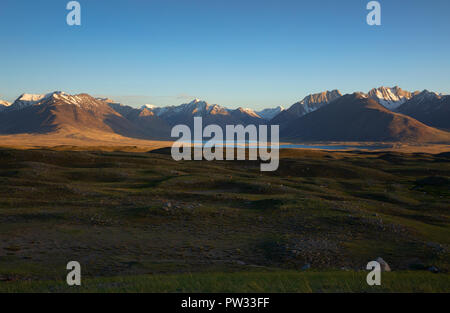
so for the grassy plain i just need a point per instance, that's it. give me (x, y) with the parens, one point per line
(139, 221)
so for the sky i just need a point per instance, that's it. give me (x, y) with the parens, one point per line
(249, 53)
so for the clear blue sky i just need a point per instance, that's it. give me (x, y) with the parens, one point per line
(251, 53)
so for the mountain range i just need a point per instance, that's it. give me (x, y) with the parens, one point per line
(73, 115)
(383, 114)
(357, 117)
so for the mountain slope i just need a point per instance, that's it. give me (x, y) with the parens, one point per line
(309, 104)
(144, 119)
(429, 108)
(74, 115)
(358, 118)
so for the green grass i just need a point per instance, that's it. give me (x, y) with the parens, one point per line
(247, 282)
(124, 215)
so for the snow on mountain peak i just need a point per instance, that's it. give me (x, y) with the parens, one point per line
(149, 106)
(26, 100)
(4, 104)
(390, 97)
(270, 113)
(248, 111)
(314, 102)
(30, 97)
(57, 98)
(198, 102)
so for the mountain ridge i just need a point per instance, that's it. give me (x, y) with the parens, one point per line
(390, 97)
(356, 117)
(429, 108)
(82, 114)
(309, 104)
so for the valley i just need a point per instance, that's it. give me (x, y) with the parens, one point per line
(91, 180)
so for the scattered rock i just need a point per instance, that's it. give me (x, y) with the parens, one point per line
(383, 264)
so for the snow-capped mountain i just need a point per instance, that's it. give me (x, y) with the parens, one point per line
(73, 115)
(246, 116)
(309, 104)
(4, 104)
(81, 115)
(211, 113)
(390, 98)
(27, 100)
(200, 108)
(356, 117)
(269, 114)
(196, 108)
(144, 119)
(249, 112)
(315, 101)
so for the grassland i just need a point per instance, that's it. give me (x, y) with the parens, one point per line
(244, 282)
(143, 222)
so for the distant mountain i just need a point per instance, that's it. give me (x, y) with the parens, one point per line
(269, 114)
(309, 104)
(390, 98)
(149, 106)
(26, 100)
(356, 117)
(429, 108)
(107, 100)
(246, 116)
(211, 114)
(144, 119)
(326, 116)
(4, 104)
(78, 115)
